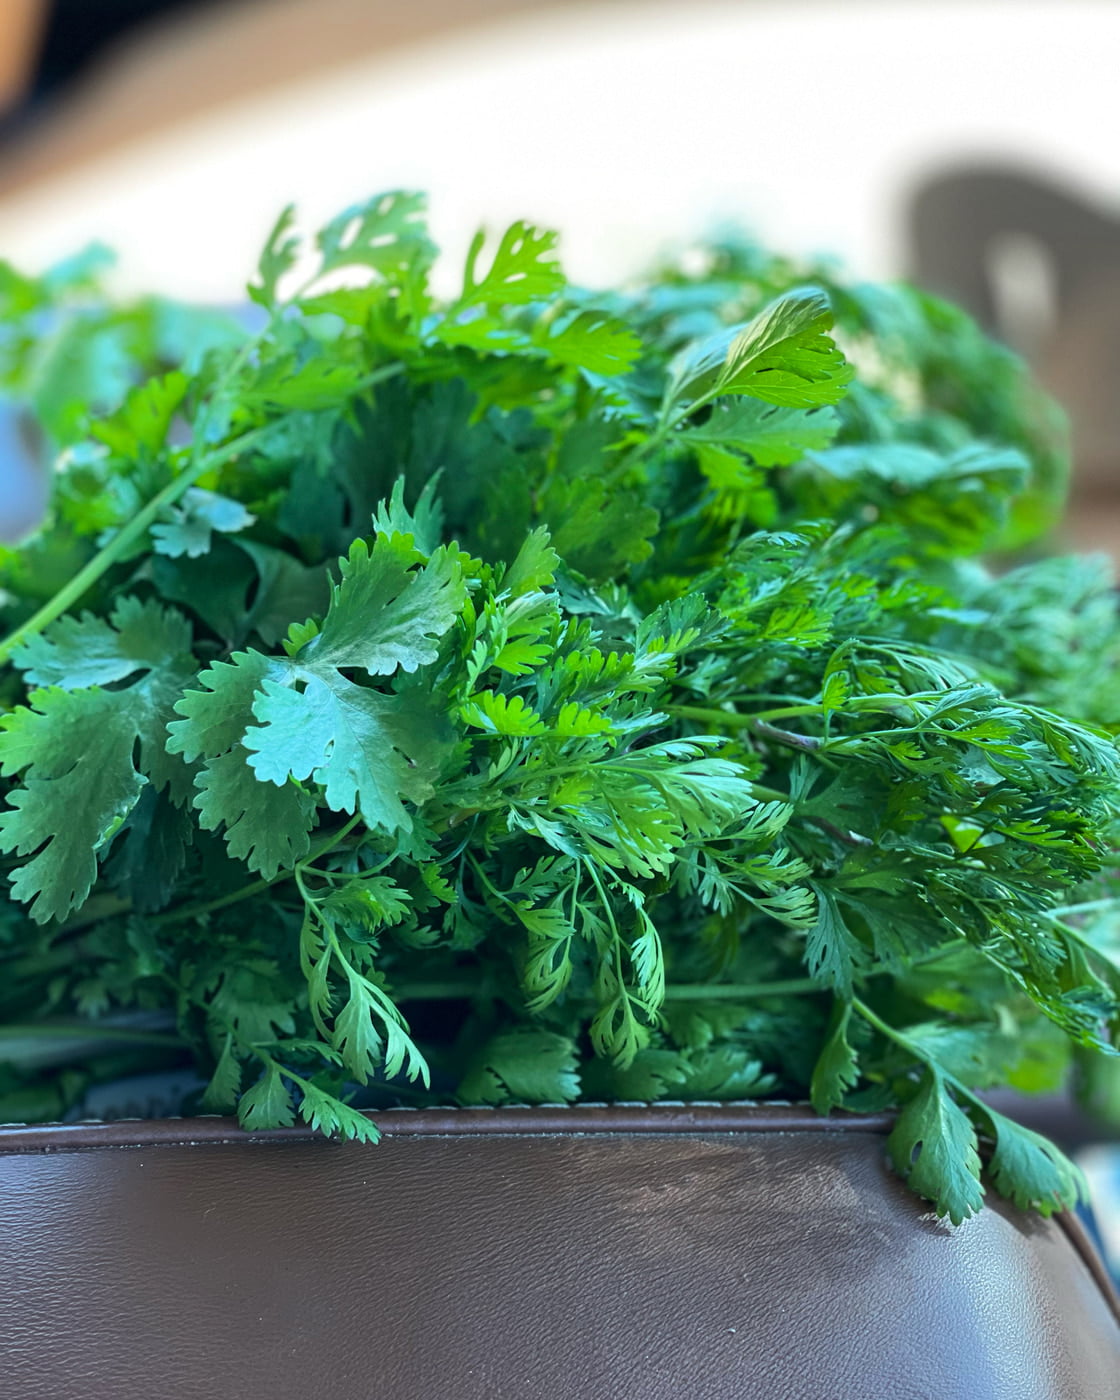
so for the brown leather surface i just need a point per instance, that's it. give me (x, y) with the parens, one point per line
(641, 1254)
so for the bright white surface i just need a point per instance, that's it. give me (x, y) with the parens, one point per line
(624, 126)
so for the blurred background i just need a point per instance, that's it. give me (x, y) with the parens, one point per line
(967, 144)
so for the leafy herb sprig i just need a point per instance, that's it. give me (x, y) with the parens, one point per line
(545, 695)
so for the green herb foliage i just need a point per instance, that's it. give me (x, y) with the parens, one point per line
(540, 695)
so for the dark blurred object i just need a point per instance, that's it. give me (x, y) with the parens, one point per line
(21, 24)
(61, 38)
(124, 69)
(1039, 266)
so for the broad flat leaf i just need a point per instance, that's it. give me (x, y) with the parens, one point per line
(1030, 1170)
(75, 652)
(266, 827)
(386, 614)
(150, 851)
(523, 269)
(371, 752)
(424, 522)
(80, 785)
(87, 750)
(933, 1147)
(189, 527)
(771, 434)
(216, 715)
(837, 1068)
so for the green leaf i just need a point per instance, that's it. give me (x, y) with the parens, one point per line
(277, 259)
(1029, 1169)
(388, 234)
(333, 1118)
(933, 1147)
(80, 785)
(268, 829)
(534, 566)
(772, 435)
(370, 752)
(225, 1083)
(523, 1066)
(386, 614)
(783, 356)
(522, 270)
(87, 751)
(76, 652)
(187, 529)
(267, 1103)
(837, 1067)
(502, 714)
(217, 715)
(592, 341)
(144, 419)
(367, 904)
(833, 953)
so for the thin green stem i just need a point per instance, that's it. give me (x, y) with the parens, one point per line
(70, 1031)
(683, 991)
(735, 718)
(122, 541)
(324, 847)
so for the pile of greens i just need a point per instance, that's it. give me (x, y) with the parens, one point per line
(546, 695)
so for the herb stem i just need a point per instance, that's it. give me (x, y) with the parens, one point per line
(324, 847)
(45, 1031)
(683, 991)
(121, 542)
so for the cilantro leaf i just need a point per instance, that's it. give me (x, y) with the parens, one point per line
(837, 1067)
(369, 751)
(189, 527)
(266, 828)
(933, 1147)
(385, 614)
(79, 787)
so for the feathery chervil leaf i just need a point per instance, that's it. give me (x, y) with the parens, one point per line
(783, 356)
(837, 1067)
(523, 269)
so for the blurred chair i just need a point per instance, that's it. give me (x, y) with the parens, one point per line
(1039, 266)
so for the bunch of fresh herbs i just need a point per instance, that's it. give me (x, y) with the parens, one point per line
(542, 695)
